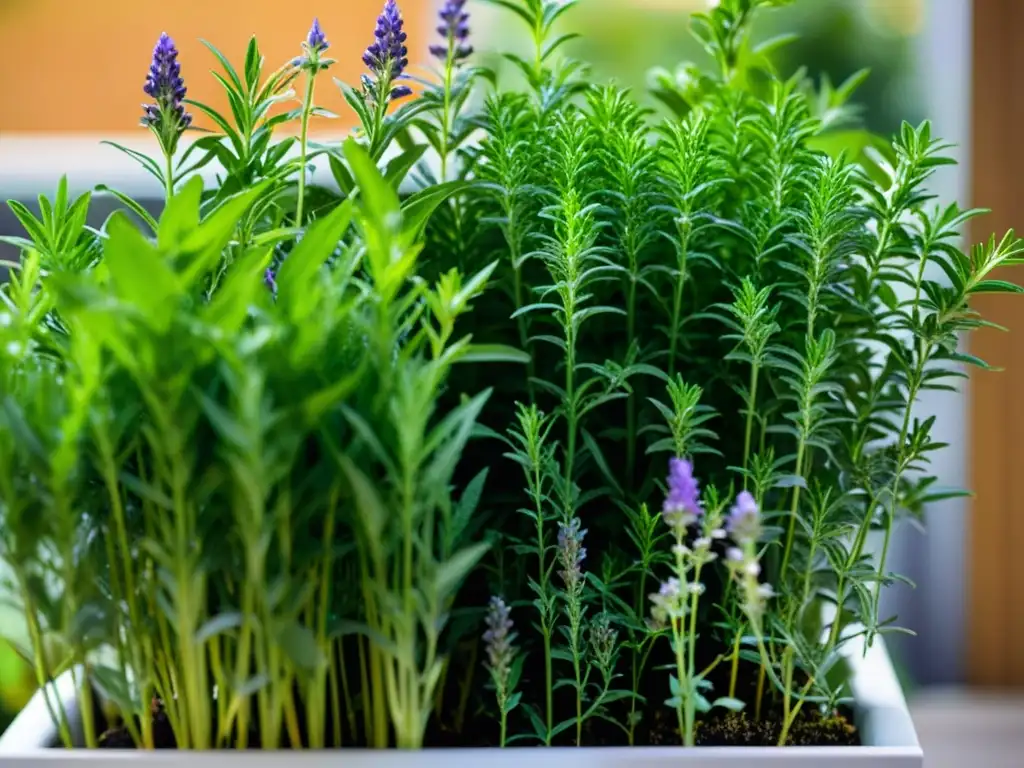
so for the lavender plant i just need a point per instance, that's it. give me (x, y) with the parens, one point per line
(236, 498)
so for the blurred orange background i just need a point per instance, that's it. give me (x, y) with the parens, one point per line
(79, 65)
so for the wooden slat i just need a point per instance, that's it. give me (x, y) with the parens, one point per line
(996, 551)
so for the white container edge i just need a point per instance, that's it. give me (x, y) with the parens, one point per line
(883, 718)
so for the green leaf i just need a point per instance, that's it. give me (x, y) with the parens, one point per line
(31, 224)
(602, 464)
(417, 209)
(306, 259)
(146, 162)
(997, 286)
(300, 645)
(204, 247)
(467, 505)
(236, 81)
(140, 276)
(399, 167)
(726, 702)
(132, 205)
(218, 625)
(253, 64)
(492, 353)
(381, 201)
(371, 512)
(316, 405)
(451, 574)
(112, 685)
(180, 216)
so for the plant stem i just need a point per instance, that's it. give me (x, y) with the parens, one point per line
(691, 658)
(524, 337)
(466, 688)
(542, 568)
(631, 440)
(677, 639)
(168, 175)
(40, 662)
(735, 662)
(760, 692)
(446, 111)
(677, 299)
(749, 430)
(794, 508)
(307, 107)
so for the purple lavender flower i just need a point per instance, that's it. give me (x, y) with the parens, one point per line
(682, 503)
(454, 28)
(667, 603)
(386, 57)
(498, 638)
(571, 552)
(314, 45)
(270, 280)
(744, 522)
(316, 40)
(167, 115)
(602, 641)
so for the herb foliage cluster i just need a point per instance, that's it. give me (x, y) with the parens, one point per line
(234, 483)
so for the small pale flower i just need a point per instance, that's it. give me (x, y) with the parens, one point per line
(668, 602)
(682, 503)
(744, 521)
(602, 640)
(571, 552)
(499, 637)
(704, 542)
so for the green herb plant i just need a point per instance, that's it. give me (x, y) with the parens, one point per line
(645, 369)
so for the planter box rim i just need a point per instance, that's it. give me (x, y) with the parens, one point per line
(882, 717)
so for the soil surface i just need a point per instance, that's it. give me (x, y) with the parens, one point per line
(727, 730)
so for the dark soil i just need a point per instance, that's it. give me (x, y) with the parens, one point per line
(720, 730)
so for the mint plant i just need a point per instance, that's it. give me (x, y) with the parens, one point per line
(267, 459)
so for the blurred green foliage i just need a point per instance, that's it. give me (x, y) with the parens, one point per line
(624, 39)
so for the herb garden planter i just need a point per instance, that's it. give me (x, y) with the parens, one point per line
(880, 712)
(310, 468)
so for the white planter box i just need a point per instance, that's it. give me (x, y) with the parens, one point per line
(881, 715)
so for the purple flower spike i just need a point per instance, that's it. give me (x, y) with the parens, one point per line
(270, 281)
(167, 115)
(386, 57)
(315, 40)
(682, 503)
(499, 637)
(313, 46)
(454, 28)
(744, 522)
(571, 552)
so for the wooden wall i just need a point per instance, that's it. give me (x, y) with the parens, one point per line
(79, 65)
(995, 592)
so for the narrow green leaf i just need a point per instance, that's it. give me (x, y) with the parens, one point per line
(140, 276)
(452, 573)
